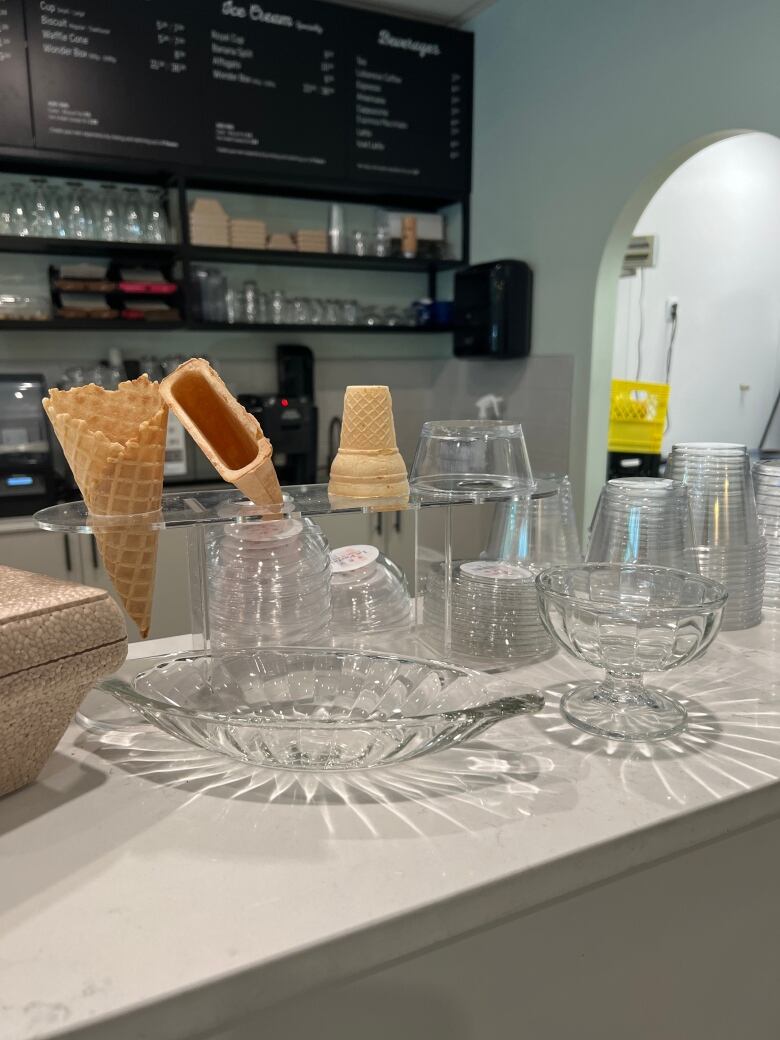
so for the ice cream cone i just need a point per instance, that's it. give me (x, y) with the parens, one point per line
(230, 438)
(114, 441)
(368, 463)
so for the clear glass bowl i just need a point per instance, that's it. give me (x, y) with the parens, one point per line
(628, 619)
(301, 708)
(368, 592)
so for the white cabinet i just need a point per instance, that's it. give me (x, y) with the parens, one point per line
(40, 551)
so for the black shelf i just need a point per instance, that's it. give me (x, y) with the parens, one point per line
(371, 330)
(293, 258)
(89, 325)
(87, 247)
(126, 325)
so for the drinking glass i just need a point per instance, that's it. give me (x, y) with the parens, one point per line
(301, 311)
(41, 224)
(351, 311)
(278, 307)
(6, 219)
(109, 225)
(79, 221)
(382, 238)
(20, 222)
(132, 220)
(251, 302)
(156, 229)
(333, 312)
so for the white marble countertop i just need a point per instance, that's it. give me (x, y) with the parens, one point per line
(167, 891)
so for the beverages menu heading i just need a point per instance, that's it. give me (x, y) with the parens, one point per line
(298, 88)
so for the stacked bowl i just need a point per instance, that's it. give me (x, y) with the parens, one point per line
(642, 520)
(492, 614)
(368, 593)
(487, 615)
(268, 583)
(728, 545)
(766, 477)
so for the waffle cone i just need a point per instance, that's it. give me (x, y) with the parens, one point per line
(367, 420)
(230, 438)
(114, 441)
(368, 463)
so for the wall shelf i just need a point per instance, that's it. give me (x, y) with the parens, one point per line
(88, 247)
(123, 325)
(177, 259)
(228, 255)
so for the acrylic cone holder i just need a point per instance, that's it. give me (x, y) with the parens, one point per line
(443, 531)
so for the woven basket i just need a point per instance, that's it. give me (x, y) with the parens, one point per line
(56, 640)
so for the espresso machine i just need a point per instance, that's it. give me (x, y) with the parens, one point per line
(289, 417)
(28, 480)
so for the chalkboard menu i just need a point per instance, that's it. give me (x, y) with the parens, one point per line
(115, 77)
(15, 128)
(410, 118)
(277, 88)
(303, 89)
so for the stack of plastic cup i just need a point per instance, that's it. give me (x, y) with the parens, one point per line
(766, 478)
(494, 619)
(368, 592)
(642, 520)
(538, 529)
(268, 583)
(729, 547)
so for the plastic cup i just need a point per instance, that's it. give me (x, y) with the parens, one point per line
(641, 520)
(471, 458)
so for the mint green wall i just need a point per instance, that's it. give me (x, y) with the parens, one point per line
(582, 108)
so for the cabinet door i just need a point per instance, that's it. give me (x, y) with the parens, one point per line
(42, 552)
(171, 610)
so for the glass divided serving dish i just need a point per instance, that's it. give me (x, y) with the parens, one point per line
(301, 708)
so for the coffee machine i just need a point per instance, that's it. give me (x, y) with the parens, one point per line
(289, 417)
(28, 480)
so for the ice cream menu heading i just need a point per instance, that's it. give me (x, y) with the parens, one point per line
(296, 87)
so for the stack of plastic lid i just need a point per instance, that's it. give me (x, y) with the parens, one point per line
(766, 477)
(268, 583)
(728, 545)
(368, 592)
(642, 520)
(538, 528)
(491, 619)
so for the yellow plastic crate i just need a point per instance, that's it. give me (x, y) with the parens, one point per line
(637, 416)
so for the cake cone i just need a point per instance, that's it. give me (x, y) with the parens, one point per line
(368, 463)
(231, 439)
(114, 441)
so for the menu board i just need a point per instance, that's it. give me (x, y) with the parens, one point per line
(15, 125)
(276, 91)
(302, 89)
(410, 118)
(116, 78)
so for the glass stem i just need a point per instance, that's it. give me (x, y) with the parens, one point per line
(624, 688)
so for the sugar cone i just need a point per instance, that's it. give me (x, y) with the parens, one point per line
(114, 441)
(368, 463)
(230, 438)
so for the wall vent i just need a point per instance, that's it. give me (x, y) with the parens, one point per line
(640, 253)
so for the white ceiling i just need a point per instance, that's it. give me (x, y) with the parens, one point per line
(446, 12)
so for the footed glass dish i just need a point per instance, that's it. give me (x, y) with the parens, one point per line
(300, 708)
(628, 619)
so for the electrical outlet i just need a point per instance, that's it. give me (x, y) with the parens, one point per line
(671, 308)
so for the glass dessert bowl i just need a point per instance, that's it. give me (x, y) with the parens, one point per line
(301, 708)
(628, 619)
